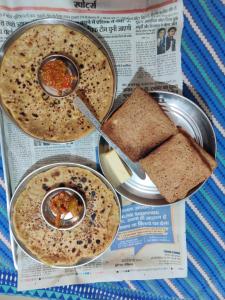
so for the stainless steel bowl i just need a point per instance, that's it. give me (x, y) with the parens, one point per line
(23, 184)
(185, 114)
(67, 221)
(72, 69)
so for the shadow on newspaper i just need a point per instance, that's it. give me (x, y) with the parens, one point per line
(145, 81)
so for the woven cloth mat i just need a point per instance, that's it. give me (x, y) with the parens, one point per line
(203, 65)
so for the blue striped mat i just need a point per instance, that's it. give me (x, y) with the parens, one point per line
(203, 64)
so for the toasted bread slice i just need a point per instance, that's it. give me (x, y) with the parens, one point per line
(139, 125)
(177, 166)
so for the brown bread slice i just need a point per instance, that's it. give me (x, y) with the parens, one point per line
(139, 125)
(177, 166)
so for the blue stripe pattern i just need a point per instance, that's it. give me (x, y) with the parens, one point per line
(207, 79)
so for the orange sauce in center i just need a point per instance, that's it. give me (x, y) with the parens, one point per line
(55, 74)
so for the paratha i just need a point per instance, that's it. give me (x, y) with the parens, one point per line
(43, 116)
(68, 247)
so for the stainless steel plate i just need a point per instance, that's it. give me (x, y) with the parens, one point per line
(73, 25)
(23, 184)
(188, 116)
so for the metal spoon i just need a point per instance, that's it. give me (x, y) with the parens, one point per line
(73, 70)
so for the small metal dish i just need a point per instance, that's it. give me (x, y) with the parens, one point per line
(186, 115)
(72, 69)
(67, 221)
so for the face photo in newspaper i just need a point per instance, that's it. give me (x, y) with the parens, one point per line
(161, 41)
(170, 39)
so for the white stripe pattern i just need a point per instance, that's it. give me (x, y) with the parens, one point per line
(5, 241)
(206, 224)
(202, 37)
(213, 119)
(174, 288)
(203, 106)
(218, 183)
(205, 276)
(2, 183)
(131, 286)
(2, 238)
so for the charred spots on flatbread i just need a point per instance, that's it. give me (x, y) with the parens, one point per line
(93, 194)
(83, 179)
(56, 173)
(18, 81)
(32, 68)
(45, 96)
(45, 187)
(79, 186)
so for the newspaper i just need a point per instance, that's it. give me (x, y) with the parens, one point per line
(144, 38)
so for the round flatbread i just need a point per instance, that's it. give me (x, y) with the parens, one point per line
(43, 116)
(66, 247)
